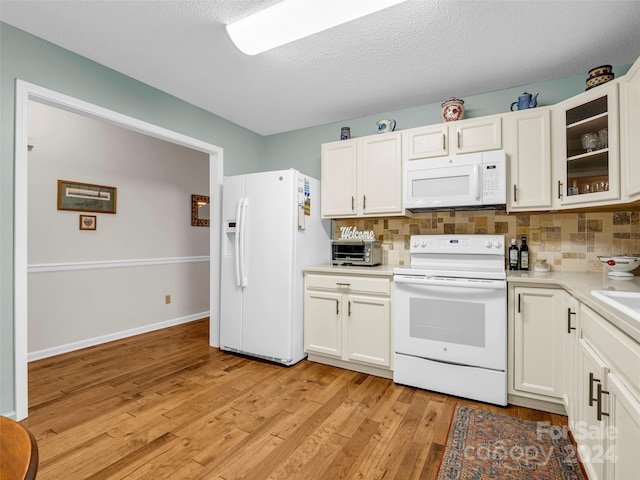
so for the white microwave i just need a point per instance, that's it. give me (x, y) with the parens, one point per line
(474, 179)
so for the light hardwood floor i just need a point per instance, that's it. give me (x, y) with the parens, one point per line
(166, 405)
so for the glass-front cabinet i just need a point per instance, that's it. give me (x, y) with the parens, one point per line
(587, 155)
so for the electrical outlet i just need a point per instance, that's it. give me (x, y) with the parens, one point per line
(167, 299)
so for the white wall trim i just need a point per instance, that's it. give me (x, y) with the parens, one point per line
(90, 342)
(136, 262)
(26, 91)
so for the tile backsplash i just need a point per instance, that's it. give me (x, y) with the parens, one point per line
(570, 242)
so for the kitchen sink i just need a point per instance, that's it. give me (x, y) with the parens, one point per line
(625, 302)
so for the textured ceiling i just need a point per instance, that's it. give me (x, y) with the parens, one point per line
(418, 52)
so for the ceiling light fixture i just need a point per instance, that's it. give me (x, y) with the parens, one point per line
(292, 20)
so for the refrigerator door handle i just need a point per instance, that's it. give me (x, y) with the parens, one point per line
(244, 203)
(236, 243)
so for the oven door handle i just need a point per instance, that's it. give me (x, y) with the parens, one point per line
(460, 282)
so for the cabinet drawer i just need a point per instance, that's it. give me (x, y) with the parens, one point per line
(346, 284)
(621, 352)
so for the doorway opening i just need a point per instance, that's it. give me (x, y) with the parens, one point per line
(26, 92)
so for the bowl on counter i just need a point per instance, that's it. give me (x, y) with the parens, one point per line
(621, 266)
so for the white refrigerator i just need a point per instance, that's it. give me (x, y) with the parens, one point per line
(271, 230)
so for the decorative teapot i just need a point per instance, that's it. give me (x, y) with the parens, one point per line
(385, 126)
(526, 100)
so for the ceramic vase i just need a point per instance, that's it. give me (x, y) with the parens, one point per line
(453, 109)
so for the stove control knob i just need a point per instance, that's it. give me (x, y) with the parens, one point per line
(415, 243)
(487, 243)
(497, 243)
(423, 244)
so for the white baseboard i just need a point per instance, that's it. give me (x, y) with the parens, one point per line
(90, 342)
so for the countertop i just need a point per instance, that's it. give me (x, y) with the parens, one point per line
(378, 270)
(580, 285)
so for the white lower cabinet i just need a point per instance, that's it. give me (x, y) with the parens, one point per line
(607, 429)
(347, 321)
(323, 323)
(570, 309)
(368, 329)
(591, 426)
(596, 379)
(623, 448)
(536, 331)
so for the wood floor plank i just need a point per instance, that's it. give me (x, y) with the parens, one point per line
(165, 405)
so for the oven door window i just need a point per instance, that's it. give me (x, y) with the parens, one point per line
(455, 322)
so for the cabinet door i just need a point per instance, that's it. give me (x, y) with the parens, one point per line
(368, 329)
(570, 307)
(380, 174)
(476, 135)
(322, 323)
(629, 128)
(339, 179)
(623, 436)
(588, 174)
(538, 333)
(591, 426)
(426, 142)
(528, 145)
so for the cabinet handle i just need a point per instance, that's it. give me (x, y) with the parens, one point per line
(518, 303)
(337, 307)
(591, 380)
(569, 327)
(444, 141)
(515, 194)
(343, 284)
(559, 189)
(459, 139)
(364, 202)
(599, 411)
(349, 309)
(353, 203)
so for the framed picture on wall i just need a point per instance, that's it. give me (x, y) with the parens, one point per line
(86, 197)
(88, 222)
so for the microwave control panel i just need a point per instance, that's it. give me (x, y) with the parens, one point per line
(494, 179)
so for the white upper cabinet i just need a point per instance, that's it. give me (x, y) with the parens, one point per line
(527, 141)
(630, 133)
(380, 175)
(339, 178)
(426, 142)
(587, 174)
(478, 135)
(464, 136)
(362, 176)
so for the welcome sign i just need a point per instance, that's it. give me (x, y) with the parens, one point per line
(352, 233)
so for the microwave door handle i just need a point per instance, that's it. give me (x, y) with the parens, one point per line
(476, 181)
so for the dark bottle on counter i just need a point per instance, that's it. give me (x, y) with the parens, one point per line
(514, 255)
(524, 254)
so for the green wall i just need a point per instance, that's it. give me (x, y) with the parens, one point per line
(302, 147)
(39, 62)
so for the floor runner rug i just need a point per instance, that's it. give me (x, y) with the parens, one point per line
(486, 445)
